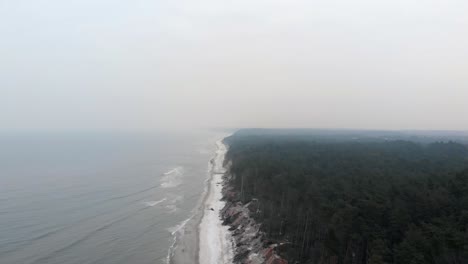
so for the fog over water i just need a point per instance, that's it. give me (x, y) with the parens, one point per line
(89, 90)
(146, 65)
(90, 198)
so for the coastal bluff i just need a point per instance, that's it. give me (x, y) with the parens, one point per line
(251, 246)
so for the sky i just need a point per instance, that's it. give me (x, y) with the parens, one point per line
(143, 65)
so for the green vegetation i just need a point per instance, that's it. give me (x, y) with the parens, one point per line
(337, 200)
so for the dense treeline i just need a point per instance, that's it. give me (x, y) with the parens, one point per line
(343, 201)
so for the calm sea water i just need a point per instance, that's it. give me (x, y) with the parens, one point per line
(98, 198)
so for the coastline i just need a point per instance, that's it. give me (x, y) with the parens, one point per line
(215, 244)
(203, 238)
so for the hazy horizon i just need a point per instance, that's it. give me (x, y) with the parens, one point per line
(171, 65)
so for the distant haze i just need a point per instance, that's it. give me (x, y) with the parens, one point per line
(147, 65)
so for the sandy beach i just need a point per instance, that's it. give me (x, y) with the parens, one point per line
(203, 239)
(215, 240)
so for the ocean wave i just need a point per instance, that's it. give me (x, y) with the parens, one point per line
(49, 256)
(172, 208)
(175, 231)
(177, 198)
(154, 203)
(131, 194)
(174, 171)
(172, 178)
(172, 203)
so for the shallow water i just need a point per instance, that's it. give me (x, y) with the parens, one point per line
(97, 198)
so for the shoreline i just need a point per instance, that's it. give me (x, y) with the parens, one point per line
(215, 243)
(193, 240)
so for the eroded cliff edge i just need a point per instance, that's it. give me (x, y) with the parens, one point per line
(251, 245)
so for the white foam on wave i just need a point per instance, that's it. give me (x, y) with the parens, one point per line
(175, 170)
(172, 208)
(175, 231)
(154, 203)
(172, 178)
(172, 204)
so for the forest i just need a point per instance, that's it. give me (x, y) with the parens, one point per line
(349, 199)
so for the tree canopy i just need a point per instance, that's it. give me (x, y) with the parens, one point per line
(342, 200)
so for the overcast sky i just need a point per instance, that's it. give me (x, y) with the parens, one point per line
(152, 64)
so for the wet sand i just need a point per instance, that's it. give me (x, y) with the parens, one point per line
(203, 239)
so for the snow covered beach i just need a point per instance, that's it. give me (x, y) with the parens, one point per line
(214, 238)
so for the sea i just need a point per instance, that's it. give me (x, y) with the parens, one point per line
(107, 198)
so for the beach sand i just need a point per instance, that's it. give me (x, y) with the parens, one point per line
(215, 240)
(203, 239)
